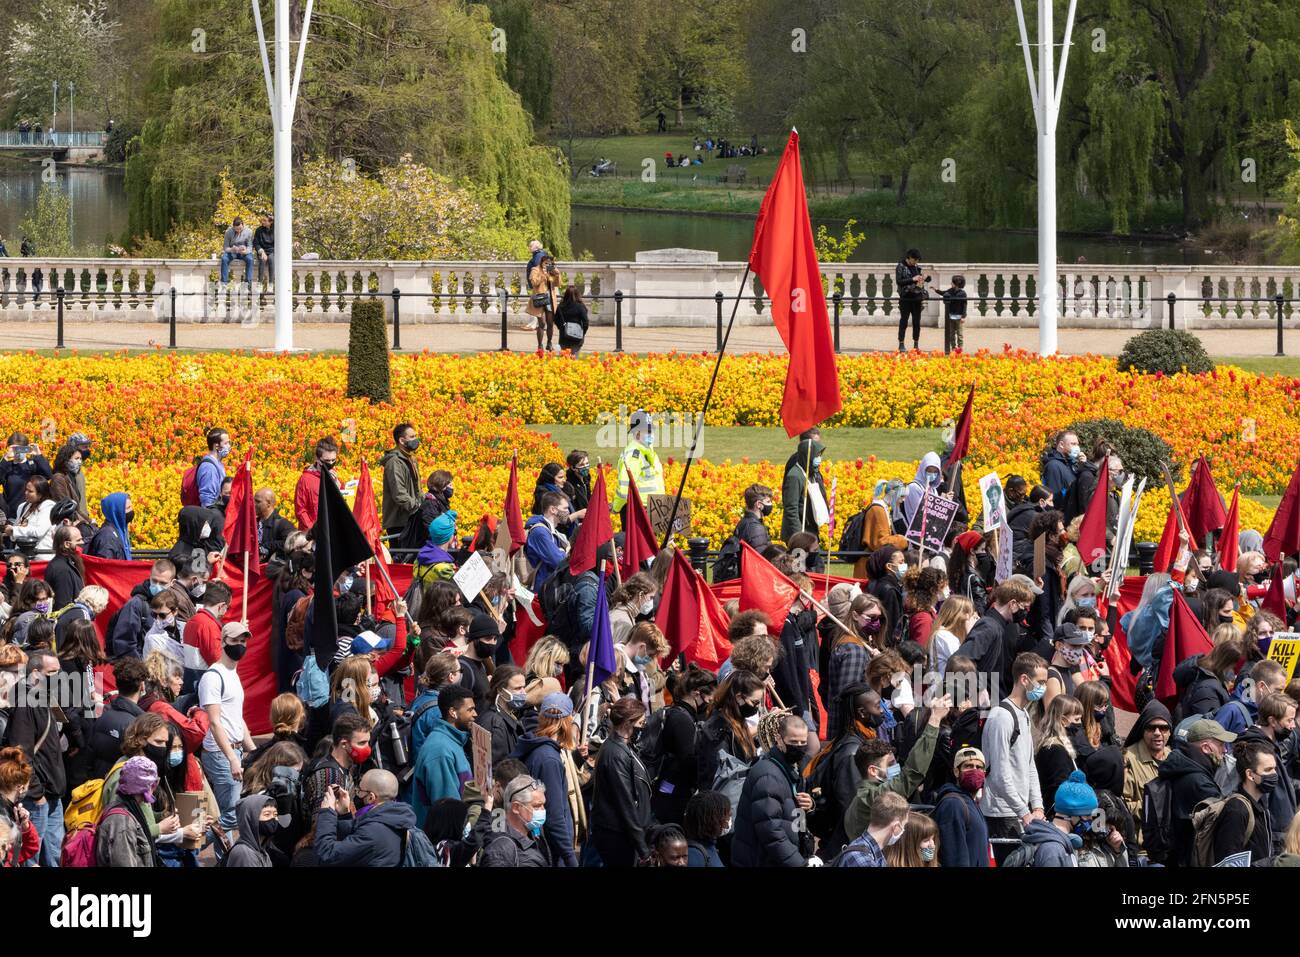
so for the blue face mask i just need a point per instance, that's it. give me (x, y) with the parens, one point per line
(175, 758)
(641, 660)
(817, 460)
(932, 478)
(538, 822)
(893, 771)
(155, 588)
(1036, 693)
(1090, 602)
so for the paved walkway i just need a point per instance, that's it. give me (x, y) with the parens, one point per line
(463, 337)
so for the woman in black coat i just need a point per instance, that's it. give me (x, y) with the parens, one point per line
(506, 701)
(691, 693)
(884, 568)
(620, 800)
(570, 318)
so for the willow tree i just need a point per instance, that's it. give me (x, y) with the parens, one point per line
(382, 79)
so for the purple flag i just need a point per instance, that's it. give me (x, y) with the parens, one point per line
(601, 653)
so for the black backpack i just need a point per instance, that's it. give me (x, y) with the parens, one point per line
(1015, 726)
(650, 745)
(1158, 819)
(558, 605)
(727, 565)
(851, 540)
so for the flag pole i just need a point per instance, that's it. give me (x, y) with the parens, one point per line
(383, 572)
(591, 667)
(369, 608)
(244, 615)
(708, 397)
(807, 480)
(618, 575)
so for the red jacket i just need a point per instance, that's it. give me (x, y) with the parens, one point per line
(193, 730)
(306, 494)
(203, 632)
(30, 845)
(395, 656)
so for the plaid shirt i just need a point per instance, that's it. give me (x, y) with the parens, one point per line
(862, 852)
(848, 666)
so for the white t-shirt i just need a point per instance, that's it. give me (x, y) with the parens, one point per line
(942, 644)
(231, 699)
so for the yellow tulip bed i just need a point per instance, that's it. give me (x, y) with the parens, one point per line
(146, 415)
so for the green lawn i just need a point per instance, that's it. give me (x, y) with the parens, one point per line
(769, 444)
(1263, 365)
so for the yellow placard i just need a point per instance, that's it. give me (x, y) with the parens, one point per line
(1286, 651)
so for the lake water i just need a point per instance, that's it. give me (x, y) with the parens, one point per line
(99, 213)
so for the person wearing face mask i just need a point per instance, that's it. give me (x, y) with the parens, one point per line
(198, 537)
(1012, 797)
(675, 780)
(350, 742)
(441, 766)
(886, 568)
(964, 836)
(113, 540)
(577, 479)
(850, 653)
(65, 573)
(401, 498)
(804, 466)
(987, 643)
(202, 635)
(520, 843)
(877, 521)
(630, 603)
(766, 832)
(1275, 724)
(919, 846)
(1067, 656)
(307, 491)
(109, 729)
(1056, 843)
(210, 471)
(1060, 465)
(885, 827)
(1020, 510)
(640, 461)
(621, 814)
(1257, 682)
(501, 716)
(1190, 769)
(1205, 679)
(22, 461)
(1245, 821)
(434, 562)
(258, 825)
(751, 527)
(371, 834)
(832, 775)
(726, 747)
(64, 484)
(964, 574)
(881, 771)
(546, 548)
(929, 476)
(221, 695)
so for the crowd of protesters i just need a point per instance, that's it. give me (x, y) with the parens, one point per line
(930, 711)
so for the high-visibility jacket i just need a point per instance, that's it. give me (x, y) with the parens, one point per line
(644, 466)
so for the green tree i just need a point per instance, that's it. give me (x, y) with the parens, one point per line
(48, 226)
(528, 65)
(63, 41)
(690, 53)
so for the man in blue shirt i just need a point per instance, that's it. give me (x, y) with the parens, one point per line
(212, 474)
(888, 822)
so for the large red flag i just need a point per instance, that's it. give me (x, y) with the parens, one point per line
(1123, 683)
(1167, 550)
(1228, 537)
(241, 527)
(1283, 535)
(1201, 502)
(367, 516)
(1186, 637)
(961, 438)
(638, 535)
(691, 617)
(1092, 533)
(596, 528)
(1275, 598)
(785, 260)
(514, 514)
(763, 586)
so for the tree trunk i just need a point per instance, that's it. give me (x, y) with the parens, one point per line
(842, 157)
(902, 186)
(680, 109)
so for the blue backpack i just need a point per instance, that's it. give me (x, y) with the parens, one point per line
(418, 850)
(313, 685)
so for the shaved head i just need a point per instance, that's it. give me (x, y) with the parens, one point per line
(382, 783)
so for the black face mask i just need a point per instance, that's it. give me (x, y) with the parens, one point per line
(234, 652)
(484, 649)
(159, 755)
(1225, 619)
(873, 720)
(411, 444)
(748, 710)
(268, 828)
(328, 466)
(129, 517)
(767, 509)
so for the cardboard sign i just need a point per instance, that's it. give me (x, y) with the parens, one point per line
(481, 747)
(1285, 649)
(995, 515)
(660, 508)
(1040, 556)
(472, 576)
(190, 804)
(938, 515)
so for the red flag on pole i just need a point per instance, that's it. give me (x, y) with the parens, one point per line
(1092, 533)
(1228, 537)
(639, 541)
(691, 617)
(241, 527)
(1167, 550)
(1283, 535)
(1187, 637)
(596, 529)
(367, 516)
(785, 259)
(514, 514)
(1275, 598)
(1202, 504)
(961, 438)
(763, 586)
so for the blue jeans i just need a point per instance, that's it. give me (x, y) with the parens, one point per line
(173, 855)
(228, 258)
(47, 818)
(224, 787)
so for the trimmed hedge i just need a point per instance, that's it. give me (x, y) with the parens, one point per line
(368, 372)
(1165, 350)
(1141, 449)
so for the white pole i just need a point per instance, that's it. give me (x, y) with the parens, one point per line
(283, 272)
(1046, 184)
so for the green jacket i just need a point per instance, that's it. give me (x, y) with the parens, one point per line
(915, 768)
(401, 486)
(792, 491)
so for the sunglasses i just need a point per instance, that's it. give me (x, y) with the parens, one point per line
(1158, 727)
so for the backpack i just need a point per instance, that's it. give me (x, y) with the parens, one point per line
(79, 846)
(1015, 726)
(405, 729)
(650, 745)
(730, 780)
(727, 565)
(418, 850)
(1158, 819)
(86, 804)
(1023, 856)
(296, 625)
(558, 605)
(313, 685)
(851, 540)
(1205, 821)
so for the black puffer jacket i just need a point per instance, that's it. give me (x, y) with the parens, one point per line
(765, 833)
(620, 800)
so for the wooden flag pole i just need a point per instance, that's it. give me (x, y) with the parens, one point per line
(244, 615)
(807, 480)
(369, 608)
(383, 572)
(708, 397)
(618, 575)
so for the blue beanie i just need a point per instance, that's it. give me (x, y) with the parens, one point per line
(1074, 798)
(443, 528)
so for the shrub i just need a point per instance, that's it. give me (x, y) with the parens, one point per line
(1165, 350)
(1141, 449)
(368, 374)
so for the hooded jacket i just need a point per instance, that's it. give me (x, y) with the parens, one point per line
(1140, 766)
(190, 524)
(112, 540)
(120, 839)
(441, 768)
(792, 489)
(1052, 847)
(916, 488)
(542, 757)
(1281, 802)
(434, 563)
(1192, 779)
(372, 837)
(544, 549)
(963, 834)
(248, 850)
(1058, 475)
(401, 489)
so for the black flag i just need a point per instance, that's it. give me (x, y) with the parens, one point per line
(340, 544)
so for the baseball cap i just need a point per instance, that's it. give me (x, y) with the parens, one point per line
(368, 641)
(1071, 635)
(234, 629)
(968, 754)
(556, 705)
(1207, 729)
(1027, 582)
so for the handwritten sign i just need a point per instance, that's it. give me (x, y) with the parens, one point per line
(481, 747)
(471, 578)
(660, 508)
(939, 513)
(1285, 649)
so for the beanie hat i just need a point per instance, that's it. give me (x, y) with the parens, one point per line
(443, 528)
(1074, 798)
(139, 777)
(483, 626)
(968, 540)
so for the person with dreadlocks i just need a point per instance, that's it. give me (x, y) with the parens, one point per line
(833, 775)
